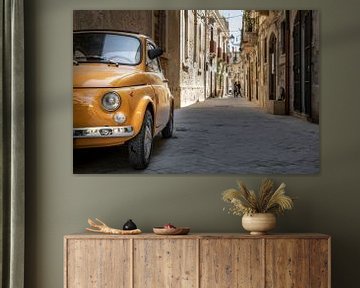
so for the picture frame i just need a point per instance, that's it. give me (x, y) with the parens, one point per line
(224, 85)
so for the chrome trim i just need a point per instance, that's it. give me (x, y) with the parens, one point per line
(107, 132)
(119, 99)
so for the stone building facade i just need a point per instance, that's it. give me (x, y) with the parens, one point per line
(192, 57)
(218, 62)
(280, 66)
(195, 44)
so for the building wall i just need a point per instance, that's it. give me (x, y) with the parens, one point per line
(128, 20)
(315, 69)
(192, 74)
(59, 203)
(316, 66)
(171, 68)
(202, 74)
(268, 25)
(263, 61)
(219, 64)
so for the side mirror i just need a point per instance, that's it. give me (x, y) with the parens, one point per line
(154, 53)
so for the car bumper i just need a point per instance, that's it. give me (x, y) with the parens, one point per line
(103, 132)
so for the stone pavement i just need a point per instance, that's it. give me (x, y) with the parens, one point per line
(221, 135)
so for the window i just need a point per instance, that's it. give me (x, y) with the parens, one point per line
(153, 65)
(105, 47)
(200, 35)
(186, 34)
(195, 52)
(200, 45)
(265, 50)
(283, 35)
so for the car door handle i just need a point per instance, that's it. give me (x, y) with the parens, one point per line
(166, 81)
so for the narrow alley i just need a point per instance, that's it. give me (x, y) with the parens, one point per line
(220, 135)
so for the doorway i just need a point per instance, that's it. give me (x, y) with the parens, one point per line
(249, 83)
(211, 84)
(302, 36)
(272, 67)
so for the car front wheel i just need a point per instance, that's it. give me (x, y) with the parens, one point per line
(141, 145)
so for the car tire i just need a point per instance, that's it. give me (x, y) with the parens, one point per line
(141, 145)
(167, 132)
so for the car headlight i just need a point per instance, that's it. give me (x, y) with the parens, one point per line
(111, 101)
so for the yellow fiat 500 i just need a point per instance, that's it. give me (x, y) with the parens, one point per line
(120, 95)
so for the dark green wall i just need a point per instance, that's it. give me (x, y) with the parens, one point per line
(59, 202)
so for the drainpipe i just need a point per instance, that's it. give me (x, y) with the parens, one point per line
(287, 65)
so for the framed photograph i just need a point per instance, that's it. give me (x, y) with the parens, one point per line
(196, 91)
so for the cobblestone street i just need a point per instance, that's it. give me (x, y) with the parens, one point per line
(227, 135)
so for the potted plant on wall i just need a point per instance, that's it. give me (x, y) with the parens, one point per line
(258, 210)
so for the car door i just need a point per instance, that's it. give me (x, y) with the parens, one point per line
(159, 84)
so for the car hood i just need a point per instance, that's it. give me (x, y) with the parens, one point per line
(95, 75)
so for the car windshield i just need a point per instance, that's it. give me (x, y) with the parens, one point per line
(107, 48)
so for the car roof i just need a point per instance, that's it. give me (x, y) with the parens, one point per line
(124, 32)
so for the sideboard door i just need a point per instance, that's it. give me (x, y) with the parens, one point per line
(297, 263)
(165, 263)
(197, 261)
(99, 263)
(231, 263)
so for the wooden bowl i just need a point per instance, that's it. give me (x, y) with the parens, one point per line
(171, 231)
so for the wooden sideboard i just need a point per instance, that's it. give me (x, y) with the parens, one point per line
(197, 261)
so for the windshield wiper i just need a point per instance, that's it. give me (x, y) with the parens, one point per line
(101, 58)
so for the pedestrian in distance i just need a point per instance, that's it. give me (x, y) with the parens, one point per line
(239, 89)
(236, 92)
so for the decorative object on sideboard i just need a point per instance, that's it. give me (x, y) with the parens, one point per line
(169, 229)
(100, 227)
(168, 226)
(258, 210)
(258, 223)
(129, 225)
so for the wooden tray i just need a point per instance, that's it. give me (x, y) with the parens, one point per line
(171, 231)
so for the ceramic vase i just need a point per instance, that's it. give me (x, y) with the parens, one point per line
(259, 223)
